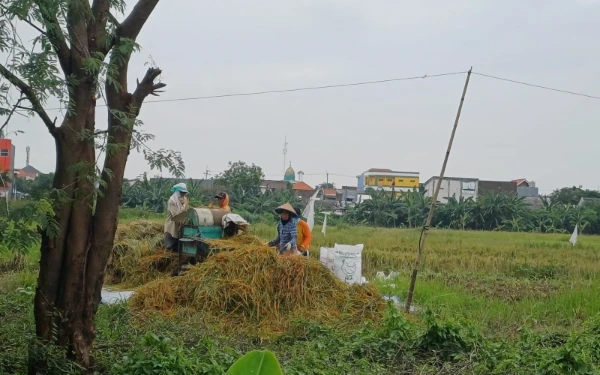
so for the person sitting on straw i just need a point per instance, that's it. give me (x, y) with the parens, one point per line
(223, 199)
(287, 234)
(304, 235)
(178, 202)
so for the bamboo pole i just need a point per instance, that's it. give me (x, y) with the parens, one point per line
(413, 277)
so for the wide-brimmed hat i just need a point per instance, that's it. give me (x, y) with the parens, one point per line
(221, 195)
(288, 208)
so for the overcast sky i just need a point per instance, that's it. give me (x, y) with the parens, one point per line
(507, 131)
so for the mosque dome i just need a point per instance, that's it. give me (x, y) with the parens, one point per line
(290, 174)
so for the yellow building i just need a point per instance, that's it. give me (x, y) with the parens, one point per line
(387, 179)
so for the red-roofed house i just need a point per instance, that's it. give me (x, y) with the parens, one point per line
(522, 182)
(302, 186)
(303, 190)
(329, 194)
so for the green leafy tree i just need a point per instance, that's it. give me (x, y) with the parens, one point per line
(572, 195)
(327, 185)
(39, 188)
(241, 179)
(81, 52)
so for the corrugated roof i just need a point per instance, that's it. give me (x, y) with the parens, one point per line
(302, 186)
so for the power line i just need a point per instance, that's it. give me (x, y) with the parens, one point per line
(537, 86)
(308, 88)
(353, 84)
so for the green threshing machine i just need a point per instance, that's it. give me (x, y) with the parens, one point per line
(195, 229)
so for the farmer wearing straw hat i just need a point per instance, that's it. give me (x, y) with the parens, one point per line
(304, 235)
(178, 202)
(287, 234)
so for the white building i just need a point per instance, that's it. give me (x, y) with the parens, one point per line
(452, 187)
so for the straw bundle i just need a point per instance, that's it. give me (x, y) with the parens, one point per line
(138, 255)
(253, 289)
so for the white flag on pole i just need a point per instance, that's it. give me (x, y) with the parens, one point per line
(324, 230)
(573, 239)
(309, 211)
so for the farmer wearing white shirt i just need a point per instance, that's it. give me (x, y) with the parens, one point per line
(178, 202)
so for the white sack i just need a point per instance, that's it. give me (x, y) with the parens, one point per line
(326, 257)
(347, 262)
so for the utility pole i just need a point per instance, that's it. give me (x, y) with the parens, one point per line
(423, 237)
(284, 153)
(206, 173)
(327, 173)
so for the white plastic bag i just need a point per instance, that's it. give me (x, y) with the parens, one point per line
(326, 257)
(347, 262)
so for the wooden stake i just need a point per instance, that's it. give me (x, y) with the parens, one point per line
(413, 277)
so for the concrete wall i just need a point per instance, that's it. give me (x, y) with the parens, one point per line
(347, 195)
(452, 187)
(509, 187)
(527, 191)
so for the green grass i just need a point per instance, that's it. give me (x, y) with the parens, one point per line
(521, 291)
(502, 281)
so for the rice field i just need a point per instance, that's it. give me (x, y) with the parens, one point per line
(502, 281)
(527, 294)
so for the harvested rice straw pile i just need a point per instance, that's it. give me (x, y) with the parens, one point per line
(138, 255)
(235, 243)
(256, 291)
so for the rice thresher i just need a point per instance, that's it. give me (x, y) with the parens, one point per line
(196, 226)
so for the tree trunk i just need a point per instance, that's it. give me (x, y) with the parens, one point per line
(58, 303)
(72, 265)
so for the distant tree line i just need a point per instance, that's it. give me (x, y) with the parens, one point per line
(494, 211)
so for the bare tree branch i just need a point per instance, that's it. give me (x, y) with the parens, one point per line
(56, 36)
(11, 113)
(31, 96)
(39, 29)
(146, 87)
(24, 19)
(131, 27)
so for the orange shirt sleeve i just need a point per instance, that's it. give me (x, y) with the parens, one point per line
(307, 235)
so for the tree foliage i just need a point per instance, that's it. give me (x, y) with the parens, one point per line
(493, 211)
(572, 195)
(79, 55)
(39, 188)
(241, 178)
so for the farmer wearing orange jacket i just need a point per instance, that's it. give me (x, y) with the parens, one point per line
(223, 199)
(304, 235)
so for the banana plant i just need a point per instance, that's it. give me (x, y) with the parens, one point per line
(256, 362)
